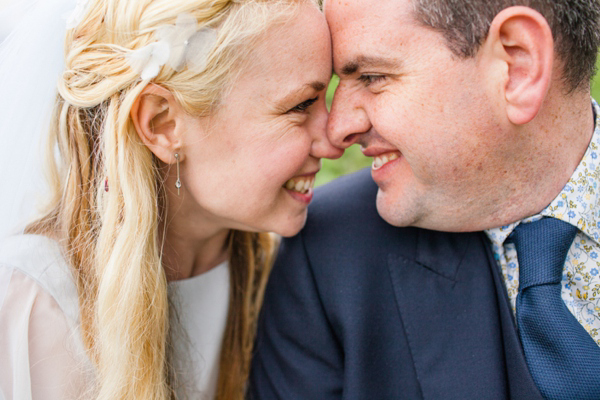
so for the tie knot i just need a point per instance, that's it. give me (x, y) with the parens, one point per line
(542, 248)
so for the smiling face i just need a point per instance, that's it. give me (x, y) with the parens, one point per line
(425, 116)
(254, 168)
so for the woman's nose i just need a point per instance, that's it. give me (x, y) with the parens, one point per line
(321, 146)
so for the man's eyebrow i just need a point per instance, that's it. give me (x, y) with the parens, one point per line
(369, 62)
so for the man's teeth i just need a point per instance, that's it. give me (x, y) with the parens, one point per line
(301, 185)
(381, 160)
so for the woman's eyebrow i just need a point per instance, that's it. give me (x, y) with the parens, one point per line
(293, 94)
(317, 85)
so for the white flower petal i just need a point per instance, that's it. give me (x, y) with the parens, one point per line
(177, 46)
(186, 22)
(199, 47)
(185, 27)
(138, 59)
(161, 52)
(151, 70)
(149, 59)
(165, 33)
(176, 59)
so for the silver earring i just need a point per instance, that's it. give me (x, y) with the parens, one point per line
(178, 182)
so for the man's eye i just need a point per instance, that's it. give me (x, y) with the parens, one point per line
(371, 79)
(305, 105)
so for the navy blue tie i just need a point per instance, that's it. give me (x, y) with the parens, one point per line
(563, 359)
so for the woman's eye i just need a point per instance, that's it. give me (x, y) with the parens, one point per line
(302, 107)
(371, 79)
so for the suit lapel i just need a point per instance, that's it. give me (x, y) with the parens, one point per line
(446, 299)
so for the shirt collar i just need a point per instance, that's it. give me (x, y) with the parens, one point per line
(577, 203)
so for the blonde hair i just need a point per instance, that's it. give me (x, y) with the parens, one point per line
(112, 237)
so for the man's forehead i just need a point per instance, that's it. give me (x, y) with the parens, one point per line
(365, 10)
(367, 21)
(366, 32)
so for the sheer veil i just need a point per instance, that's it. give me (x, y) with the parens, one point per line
(31, 60)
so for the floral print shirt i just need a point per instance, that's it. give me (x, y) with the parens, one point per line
(578, 204)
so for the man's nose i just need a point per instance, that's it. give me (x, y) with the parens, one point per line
(348, 120)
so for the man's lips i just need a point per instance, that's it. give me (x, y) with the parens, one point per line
(382, 159)
(381, 156)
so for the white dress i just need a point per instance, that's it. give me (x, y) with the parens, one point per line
(41, 351)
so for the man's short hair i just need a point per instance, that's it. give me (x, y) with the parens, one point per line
(574, 23)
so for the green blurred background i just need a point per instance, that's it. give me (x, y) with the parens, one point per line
(353, 159)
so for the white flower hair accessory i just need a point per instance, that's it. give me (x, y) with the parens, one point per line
(76, 16)
(179, 46)
(149, 59)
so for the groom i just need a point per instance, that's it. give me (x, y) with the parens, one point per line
(478, 117)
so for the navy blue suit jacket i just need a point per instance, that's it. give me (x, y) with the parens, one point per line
(358, 309)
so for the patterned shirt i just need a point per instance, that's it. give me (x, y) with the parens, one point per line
(578, 204)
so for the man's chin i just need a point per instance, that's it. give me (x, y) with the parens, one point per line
(396, 211)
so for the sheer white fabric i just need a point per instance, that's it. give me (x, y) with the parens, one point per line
(31, 61)
(40, 343)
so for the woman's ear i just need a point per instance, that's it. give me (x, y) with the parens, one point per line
(520, 43)
(155, 114)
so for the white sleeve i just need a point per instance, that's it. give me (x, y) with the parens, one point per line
(38, 347)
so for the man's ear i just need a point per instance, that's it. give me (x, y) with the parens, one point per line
(520, 44)
(155, 114)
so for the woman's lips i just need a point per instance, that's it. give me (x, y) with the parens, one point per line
(304, 198)
(301, 187)
(300, 184)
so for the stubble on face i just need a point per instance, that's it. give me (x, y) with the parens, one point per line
(431, 107)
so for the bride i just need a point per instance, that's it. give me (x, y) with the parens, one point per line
(181, 130)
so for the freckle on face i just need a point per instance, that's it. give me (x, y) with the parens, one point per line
(236, 175)
(434, 114)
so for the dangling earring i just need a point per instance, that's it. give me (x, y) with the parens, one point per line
(178, 182)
